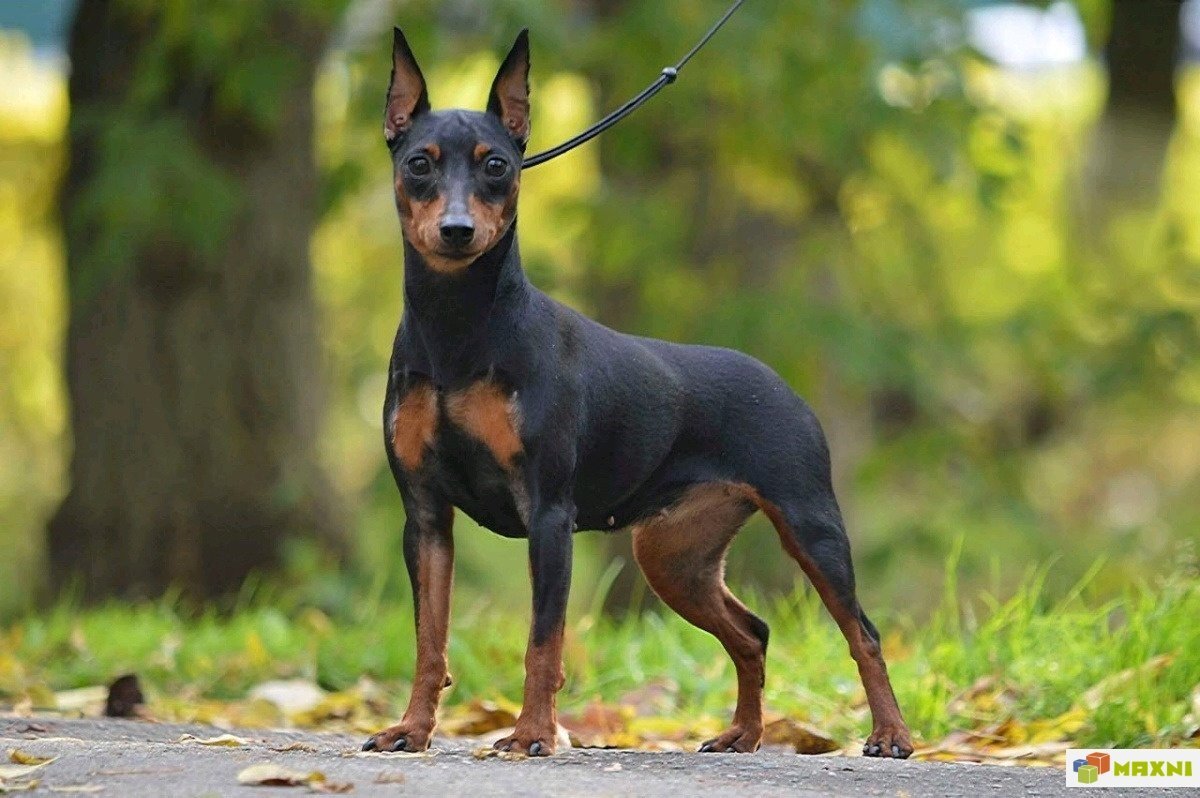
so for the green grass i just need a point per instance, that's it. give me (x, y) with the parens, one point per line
(1030, 660)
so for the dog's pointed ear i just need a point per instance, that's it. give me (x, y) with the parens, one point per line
(509, 99)
(406, 97)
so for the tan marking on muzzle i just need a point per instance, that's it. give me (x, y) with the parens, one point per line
(492, 220)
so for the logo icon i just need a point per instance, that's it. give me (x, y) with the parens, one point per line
(1088, 769)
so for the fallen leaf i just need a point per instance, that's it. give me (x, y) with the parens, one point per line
(656, 697)
(9, 772)
(18, 786)
(479, 717)
(290, 696)
(80, 788)
(1097, 694)
(804, 738)
(601, 726)
(298, 745)
(223, 740)
(31, 728)
(268, 774)
(85, 700)
(19, 757)
(487, 752)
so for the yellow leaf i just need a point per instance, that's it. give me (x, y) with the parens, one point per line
(223, 740)
(256, 651)
(479, 717)
(1063, 727)
(19, 757)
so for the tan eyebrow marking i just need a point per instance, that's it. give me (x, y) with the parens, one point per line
(434, 151)
(481, 150)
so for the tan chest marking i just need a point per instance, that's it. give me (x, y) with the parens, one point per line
(414, 425)
(487, 414)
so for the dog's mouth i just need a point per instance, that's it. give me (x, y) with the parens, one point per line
(457, 253)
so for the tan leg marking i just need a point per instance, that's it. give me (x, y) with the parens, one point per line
(682, 554)
(544, 677)
(889, 726)
(433, 588)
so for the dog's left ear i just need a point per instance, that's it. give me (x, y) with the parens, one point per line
(509, 99)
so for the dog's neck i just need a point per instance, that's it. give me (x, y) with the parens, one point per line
(451, 313)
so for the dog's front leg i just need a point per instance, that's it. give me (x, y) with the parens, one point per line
(550, 567)
(429, 556)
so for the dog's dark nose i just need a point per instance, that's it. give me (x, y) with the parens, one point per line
(457, 232)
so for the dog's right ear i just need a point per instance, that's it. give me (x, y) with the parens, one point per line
(406, 97)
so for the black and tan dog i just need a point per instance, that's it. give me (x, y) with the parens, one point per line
(537, 422)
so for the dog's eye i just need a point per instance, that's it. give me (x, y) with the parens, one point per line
(495, 167)
(419, 166)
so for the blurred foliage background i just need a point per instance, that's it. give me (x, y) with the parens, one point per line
(966, 236)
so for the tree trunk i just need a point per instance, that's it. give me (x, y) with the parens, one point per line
(1132, 138)
(194, 373)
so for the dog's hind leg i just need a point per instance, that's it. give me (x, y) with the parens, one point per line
(682, 554)
(812, 533)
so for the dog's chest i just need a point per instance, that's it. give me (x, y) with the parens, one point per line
(466, 444)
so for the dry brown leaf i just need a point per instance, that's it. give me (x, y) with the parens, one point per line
(803, 737)
(487, 752)
(601, 726)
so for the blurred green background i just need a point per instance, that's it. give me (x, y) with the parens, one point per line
(967, 232)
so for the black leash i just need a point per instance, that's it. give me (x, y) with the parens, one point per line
(665, 78)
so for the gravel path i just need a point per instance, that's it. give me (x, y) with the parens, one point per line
(132, 759)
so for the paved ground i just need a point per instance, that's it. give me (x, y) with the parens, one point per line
(133, 758)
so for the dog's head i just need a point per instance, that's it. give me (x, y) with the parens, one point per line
(456, 173)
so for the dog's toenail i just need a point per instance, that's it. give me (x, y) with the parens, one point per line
(896, 751)
(400, 744)
(370, 745)
(535, 749)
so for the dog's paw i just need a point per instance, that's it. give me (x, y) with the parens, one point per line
(532, 742)
(892, 742)
(401, 737)
(738, 739)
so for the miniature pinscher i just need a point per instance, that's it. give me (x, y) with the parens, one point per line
(538, 422)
